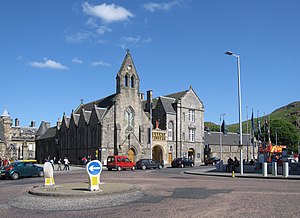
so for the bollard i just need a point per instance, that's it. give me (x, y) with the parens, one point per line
(232, 174)
(265, 169)
(274, 168)
(285, 169)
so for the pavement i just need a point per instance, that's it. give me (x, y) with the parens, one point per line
(211, 171)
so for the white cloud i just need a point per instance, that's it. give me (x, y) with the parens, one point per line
(133, 41)
(77, 61)
(152, 6)
(78, 37)
(108, 13)
(49, 64)
(100, 63)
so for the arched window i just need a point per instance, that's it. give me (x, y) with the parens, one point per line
(170, 130)
(129, 118)
(126, 81)
(132, 82)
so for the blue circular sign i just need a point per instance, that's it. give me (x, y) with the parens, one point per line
(94, 167)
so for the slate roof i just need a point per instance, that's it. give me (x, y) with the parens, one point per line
(167, 104)
(177, 95)
(102, 103)
(42, 129)
(213, 138)
(50, 133)
(100, 112)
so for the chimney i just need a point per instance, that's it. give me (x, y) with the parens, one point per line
(17, 122)
(149, 99)
(142, 96)
(47, 125)
(32, 123)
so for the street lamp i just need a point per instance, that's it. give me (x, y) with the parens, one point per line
(240, 108)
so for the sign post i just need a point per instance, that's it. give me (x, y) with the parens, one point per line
(94, 169)
(48, 173)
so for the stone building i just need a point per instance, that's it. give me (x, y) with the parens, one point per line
(120, 124)
(16, 142)
(229, 143)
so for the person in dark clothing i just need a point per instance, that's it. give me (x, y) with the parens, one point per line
(236, 164)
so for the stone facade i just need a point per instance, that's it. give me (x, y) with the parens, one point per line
(120, 124)
(16, 142)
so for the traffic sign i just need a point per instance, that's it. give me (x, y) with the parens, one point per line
(94, 167)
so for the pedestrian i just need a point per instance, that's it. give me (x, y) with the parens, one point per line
(84, 161)
(66, 162)
(52, 163)
(236, 163)
(229, 164)
(59, 164)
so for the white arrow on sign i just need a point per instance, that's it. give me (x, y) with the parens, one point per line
(92, 168)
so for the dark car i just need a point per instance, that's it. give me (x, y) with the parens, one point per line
(19, 169)
(211, 160)
(149, 164)
(182, 162)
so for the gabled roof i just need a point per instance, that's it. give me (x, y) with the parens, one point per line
(167, 104)
(103, 103)
(100, 112)
(213, 138)
(177, 95)
(42, 129)
(76, 118)
(87, 115)
(127, 61)
(50, 133)
(5, 113)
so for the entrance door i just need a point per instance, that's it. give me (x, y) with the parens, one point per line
(191, 154)
(157, 153)
(131, 155)
(170, 157)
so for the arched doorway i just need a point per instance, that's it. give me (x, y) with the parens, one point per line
(131, 155)
(191, 154)
(157, 153)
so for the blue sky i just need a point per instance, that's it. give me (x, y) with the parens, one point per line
(54, 53)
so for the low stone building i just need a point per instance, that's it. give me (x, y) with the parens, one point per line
(16, 142)
(228, 144)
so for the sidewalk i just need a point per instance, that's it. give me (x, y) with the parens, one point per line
(212, 172)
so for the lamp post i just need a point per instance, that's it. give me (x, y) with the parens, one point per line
(240, 108)
(221, 116)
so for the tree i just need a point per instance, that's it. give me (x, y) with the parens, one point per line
(287, 134)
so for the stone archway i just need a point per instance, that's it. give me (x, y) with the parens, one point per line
(131, 154)
(157, 153)
(191, 153)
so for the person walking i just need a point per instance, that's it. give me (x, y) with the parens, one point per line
(59, 164)
(66, 162)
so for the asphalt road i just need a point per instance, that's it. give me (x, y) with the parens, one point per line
(168, 193)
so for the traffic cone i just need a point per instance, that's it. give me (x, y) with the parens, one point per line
(233, 174)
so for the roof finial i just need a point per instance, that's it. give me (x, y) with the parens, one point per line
(81, 101)
(128, 50)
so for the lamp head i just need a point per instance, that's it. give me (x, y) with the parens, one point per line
(229, 53)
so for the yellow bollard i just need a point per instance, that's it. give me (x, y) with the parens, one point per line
(233, 174)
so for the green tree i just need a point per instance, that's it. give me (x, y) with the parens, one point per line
(287, 134)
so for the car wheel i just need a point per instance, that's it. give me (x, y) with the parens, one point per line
(41, 174)
(160, 167)
(144, 167)
(182, 165)
(192, 165)
(15, 175)
(133, 168)
(119, 168)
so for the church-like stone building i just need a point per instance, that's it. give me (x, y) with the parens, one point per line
(121, 124)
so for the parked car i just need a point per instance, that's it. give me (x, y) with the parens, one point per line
(119, 163)
(149, 164)
(182, 162)
(211, 160)
(23, 168)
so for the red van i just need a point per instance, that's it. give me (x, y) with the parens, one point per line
(119, 163)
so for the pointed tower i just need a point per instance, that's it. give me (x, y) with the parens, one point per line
(5, 127)
(127, 77)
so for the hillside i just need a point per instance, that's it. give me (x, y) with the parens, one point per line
(290, 113)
